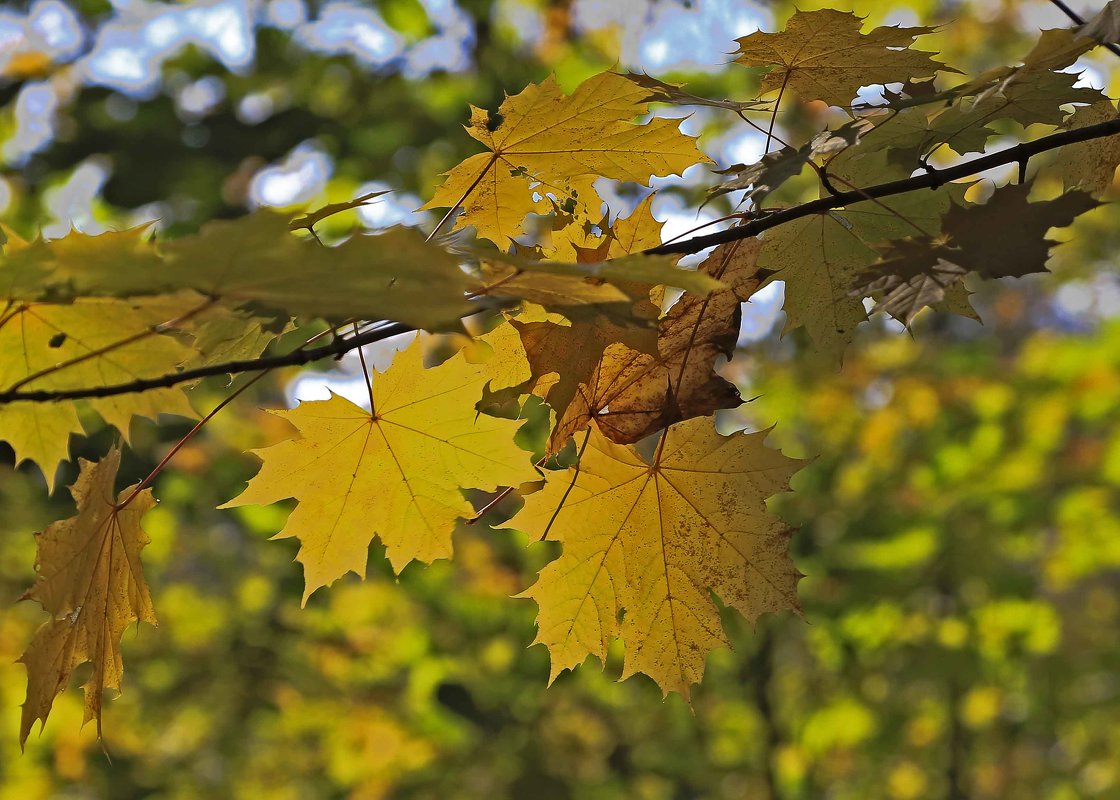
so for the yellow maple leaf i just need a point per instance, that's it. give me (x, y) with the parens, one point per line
(646, 542)
(91, 581)
(822, 55)
(396, 473)
(90, 342)
(560, 143)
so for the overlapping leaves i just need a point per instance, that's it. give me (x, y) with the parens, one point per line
(660, 519)
(822, 55)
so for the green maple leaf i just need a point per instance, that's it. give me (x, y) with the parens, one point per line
(916, 272)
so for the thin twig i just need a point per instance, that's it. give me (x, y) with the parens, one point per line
(1073, 15)
(930, 180)
(337, 347)
(144, 484)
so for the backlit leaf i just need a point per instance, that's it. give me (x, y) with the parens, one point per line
(647, 542)
(822, 55)
(85, 344)
(90, 579)
(1090, 166)
(559, 142)
(395, 474)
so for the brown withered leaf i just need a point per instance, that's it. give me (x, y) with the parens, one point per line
(91, 581)
(566, 357)
(634, 394)
(630, 392)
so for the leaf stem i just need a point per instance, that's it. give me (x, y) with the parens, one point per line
(144, 484)
(774, 116)
(458, 203)
(572, 485)
(366, 377)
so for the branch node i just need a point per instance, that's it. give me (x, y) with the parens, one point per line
(822, 173)
(936, 180)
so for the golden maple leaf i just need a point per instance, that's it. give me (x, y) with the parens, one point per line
(560, 144)
(646, 543)
(90, 342)
(395, 473)
(822, 55)
(92, 582)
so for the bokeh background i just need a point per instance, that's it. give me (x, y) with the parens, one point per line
(960, 522)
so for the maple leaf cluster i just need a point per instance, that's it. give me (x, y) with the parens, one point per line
(659, 516)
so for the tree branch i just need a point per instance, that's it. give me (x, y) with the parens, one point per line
(1073, 15)
(336, 348)
(932, 179)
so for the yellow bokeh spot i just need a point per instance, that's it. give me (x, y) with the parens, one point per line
(923, 731)
(952, 633)
(981, 706)
(255, 592)
(791, 764)
(906, 781)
